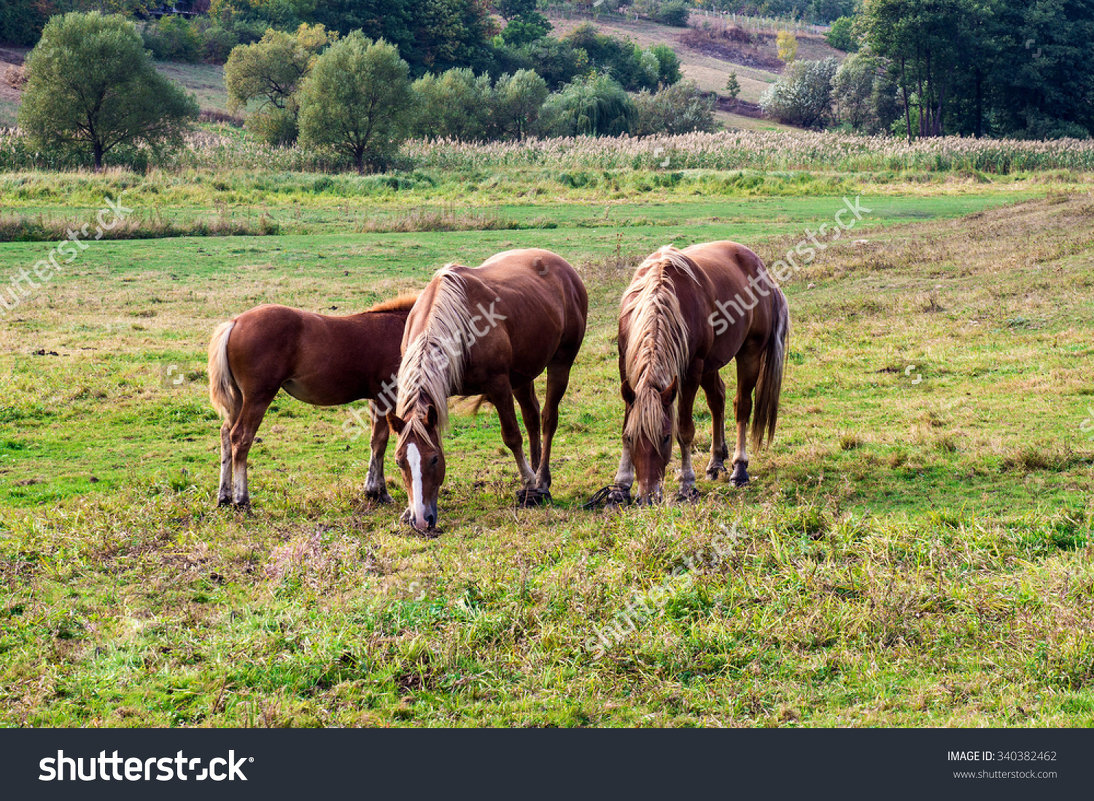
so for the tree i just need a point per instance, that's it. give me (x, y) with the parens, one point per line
(929, 43)
(733, 86)
(509, 10)
(787, 44)
(431, 35)
(594, 105)
(803, 94)
(525, 28)
(357, 100)
(91, 85)
(842, 36)
(453, 105)
(518, 99)
(270, 72)
(21, 21)
(864, 94)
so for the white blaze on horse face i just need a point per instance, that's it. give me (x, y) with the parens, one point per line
(415, 460)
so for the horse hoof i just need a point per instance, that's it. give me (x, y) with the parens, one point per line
(533, 497)
(381, 497)
(713, 473)
(619, 496)
(224, 502)
(739, 477)
(688, 495)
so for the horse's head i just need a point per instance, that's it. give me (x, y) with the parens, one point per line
(647, 433)
(420, 458)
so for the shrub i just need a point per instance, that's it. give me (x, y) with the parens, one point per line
(787, 44)
(841, 35)
(173, 39)
(677, 109)
(673, 12)
(803, 94)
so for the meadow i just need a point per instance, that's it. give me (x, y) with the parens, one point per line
(914, 548)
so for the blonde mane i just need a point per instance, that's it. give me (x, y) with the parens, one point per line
(657, 339)
(432, 366)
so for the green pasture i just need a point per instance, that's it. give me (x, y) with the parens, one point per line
(914, 548)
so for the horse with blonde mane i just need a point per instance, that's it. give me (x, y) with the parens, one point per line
(316, 358)
(489, 331)
(686, 314)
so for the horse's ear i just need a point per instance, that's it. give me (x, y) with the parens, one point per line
(431, 416)
(395, 423)
(668, 394)
(627, 393)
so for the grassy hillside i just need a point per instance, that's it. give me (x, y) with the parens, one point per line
(710, 63)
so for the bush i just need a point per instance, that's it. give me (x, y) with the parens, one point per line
(595, 105)
(668, 64)
(673, 12)
(217, 44)
(21, 21)
(841, 35)
(677, 109)
(173, 39)
(803, 94)
(625, 61)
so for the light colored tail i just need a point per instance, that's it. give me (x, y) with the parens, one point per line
(770, 384)
(223, 390)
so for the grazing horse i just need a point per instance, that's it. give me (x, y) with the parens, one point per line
(685, 315)
(487, 331)
(321, 360)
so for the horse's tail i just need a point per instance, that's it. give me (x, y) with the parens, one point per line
(770, 383)
(223, 389)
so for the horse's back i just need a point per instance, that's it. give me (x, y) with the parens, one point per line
(539, 287)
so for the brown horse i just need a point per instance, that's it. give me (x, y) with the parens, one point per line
(487, 331)
(321, 360)
(684, 316)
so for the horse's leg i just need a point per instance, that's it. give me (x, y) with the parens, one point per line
(624, 475)
(529, 412)
(242, 436)
(224, 494)
(375, 485)
(685, 435)
(501, 395)
(748, 372)
(558, 379)
(715, 391)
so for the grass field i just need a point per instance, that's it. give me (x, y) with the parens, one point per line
(913, 550)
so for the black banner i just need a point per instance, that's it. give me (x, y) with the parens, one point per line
(275, 764)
